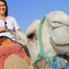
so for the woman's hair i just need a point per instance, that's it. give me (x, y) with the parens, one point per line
(6, 13)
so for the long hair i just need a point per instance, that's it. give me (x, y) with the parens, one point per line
(6, 13)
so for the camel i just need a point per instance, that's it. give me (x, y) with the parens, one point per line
(55, 37)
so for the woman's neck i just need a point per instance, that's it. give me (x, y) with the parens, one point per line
(2, 17)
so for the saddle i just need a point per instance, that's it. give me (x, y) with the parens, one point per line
(9, 47)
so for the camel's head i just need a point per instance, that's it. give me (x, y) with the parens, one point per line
(55, 35)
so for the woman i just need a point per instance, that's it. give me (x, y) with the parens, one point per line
(8, 27)
(7, 23)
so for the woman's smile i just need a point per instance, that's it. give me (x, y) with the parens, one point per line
(2, 8)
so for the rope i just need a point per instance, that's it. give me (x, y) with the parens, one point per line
(42, 53)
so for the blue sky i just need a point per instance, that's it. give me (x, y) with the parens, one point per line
(25, 11)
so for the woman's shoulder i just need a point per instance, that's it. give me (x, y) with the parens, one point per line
(11, 18)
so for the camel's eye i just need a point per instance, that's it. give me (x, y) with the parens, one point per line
(31, 36)
(56, 22)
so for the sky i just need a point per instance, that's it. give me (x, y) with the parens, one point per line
(26, 11)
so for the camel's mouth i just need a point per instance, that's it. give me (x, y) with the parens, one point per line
(58, 44)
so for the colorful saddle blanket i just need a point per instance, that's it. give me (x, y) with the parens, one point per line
(9, 47)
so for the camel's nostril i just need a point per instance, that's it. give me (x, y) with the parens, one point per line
(30, 36)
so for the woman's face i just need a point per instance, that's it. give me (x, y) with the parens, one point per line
(2, 8)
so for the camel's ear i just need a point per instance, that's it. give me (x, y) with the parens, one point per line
(31, 35)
